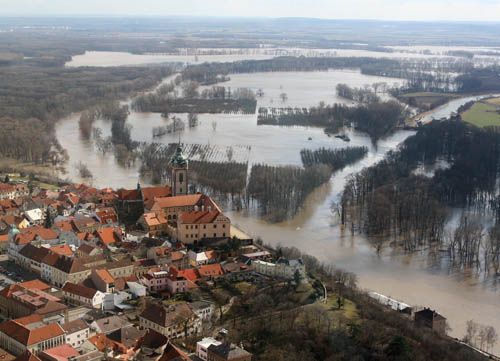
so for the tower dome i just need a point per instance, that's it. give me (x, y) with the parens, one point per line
(179, 160)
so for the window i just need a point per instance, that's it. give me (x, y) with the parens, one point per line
(223, 226)
(181, 178)
(215, 226)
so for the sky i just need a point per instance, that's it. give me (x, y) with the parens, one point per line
(478, 10)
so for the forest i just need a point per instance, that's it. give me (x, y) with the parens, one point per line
(217, 99)
(393, 200)
(377, 118)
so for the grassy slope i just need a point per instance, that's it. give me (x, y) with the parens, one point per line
(483, 114)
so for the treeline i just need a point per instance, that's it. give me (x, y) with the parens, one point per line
(389, 201)
(52, 93)
(376, 118)
(335, 158)
(360, 95)
(217, 99)
(282, 190)
(110, 110)
(30, 140)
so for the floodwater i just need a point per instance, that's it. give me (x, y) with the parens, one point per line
(304, 89)
(413, 279)
(198, 56)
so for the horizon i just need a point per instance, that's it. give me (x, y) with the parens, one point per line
(378, 10)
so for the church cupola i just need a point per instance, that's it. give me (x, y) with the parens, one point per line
(179, 176)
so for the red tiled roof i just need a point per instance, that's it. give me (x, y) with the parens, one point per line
(62, 249)
(211, 270)
(104, 275)
(29, 234)
(29, 337)
(109, 235)
(199, 217)
(60, 353)
(27, 356)
(177, 201)
(79, 290)
(155, 192)
(35, 284)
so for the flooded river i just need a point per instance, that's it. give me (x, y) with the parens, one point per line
(411, 278)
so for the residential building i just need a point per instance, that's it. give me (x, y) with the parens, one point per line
(431, 319)
(82, 295)
(173, 321)
(77, 332)
(30, 334)
(103, 280)
(227, 352)
(283, 268)
(109, 324)
(59, 353)
(203, 345)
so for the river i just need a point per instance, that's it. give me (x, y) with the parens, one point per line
(413, 279)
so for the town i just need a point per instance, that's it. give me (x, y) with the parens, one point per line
(152, 273)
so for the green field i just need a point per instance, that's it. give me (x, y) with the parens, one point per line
(483, 114)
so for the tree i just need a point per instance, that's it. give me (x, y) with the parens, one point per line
(398, 349)
(283, 97)
(297, 277)
(6, 179)
(260, 93)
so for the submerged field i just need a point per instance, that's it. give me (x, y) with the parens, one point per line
(484, 113)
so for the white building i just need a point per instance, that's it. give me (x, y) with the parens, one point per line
(35, 216)
(203, 345)
(77, 332)
(283, 268)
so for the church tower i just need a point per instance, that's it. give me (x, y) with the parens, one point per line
(179, 176)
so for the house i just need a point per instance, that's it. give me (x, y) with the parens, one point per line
(82, 295)
(106, 215)
(161, 280)
(110, 348)
(67, 269)
(210, 270)
(203, 345)
(203, 309)
(59, 353)
(172, 353)
(109, 324)
(62, 249)
(227, 352)
(431, 319)
(7, 191)
(30, 334)
(86, 250)
(31, 257)
(154, 223)
(151, 346)
(173, 321)
(103, 280)
(35, 216)
(77, 332)
(36, 235)
(29, 298)
(197, 225)
(283, 268)
(109, 236)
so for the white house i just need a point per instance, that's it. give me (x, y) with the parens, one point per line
(35, 216)
(203, 345)
(77, 332)
(81, 295)
(283, 268)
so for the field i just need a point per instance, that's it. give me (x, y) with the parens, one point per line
(483, 114)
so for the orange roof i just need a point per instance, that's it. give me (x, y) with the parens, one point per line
(211, 270)
(104, 275)
(29, 337)
(102, 342)
(154, 219)
(4, 237)
(62, 249)
(35, 284)
(61, 353)
(191, 274)
(155, 192)
(199, 217)
(66, 226)
(28, 320)
(29, 234)
(109, 235)
(177, 201)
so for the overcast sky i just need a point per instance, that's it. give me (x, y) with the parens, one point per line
(487, 10)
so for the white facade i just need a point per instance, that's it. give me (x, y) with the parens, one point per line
(77, 338)
(203, 345)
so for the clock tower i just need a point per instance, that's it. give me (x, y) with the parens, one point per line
(179, 176)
